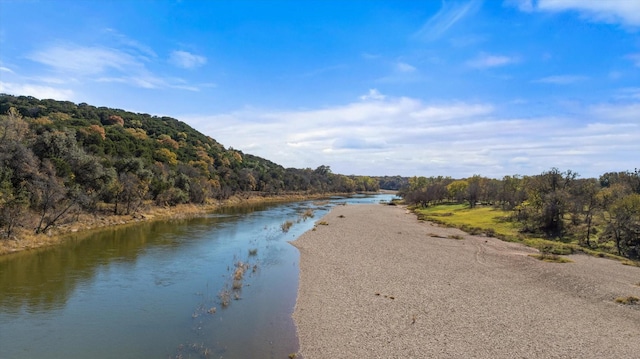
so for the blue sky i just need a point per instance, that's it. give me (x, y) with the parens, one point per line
(367, 87)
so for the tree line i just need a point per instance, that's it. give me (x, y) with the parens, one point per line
(555, 204)
(58, 159)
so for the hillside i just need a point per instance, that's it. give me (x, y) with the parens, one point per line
(59, 159)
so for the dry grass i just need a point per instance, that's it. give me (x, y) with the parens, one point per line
(225, 298)
(286, 226)
(630, 300)
(551, 258)
(308, 213)
(237, 284)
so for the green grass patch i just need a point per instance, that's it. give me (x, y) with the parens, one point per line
(479, 220)
(493, 222)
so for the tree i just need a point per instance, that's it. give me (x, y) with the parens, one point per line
(457, 190)
(623, 224)
(585, 198)
(475, 189)
(549, 198)
(13, 202)
(51, 197)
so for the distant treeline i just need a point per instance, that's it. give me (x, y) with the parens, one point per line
(58, 158)
(554, 204)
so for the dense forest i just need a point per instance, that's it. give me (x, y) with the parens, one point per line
(556, 205)
(58, 158)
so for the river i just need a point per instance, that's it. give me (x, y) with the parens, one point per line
(219, 286)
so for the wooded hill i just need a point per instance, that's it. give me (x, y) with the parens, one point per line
(58, 158)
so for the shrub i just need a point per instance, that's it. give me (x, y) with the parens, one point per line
(550, 258)
(628, 300)
(286, 226)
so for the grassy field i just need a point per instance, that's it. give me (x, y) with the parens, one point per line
(495, 222)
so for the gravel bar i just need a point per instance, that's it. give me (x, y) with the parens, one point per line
(375, 282)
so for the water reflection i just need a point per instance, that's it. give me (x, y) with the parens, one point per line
(146, 290)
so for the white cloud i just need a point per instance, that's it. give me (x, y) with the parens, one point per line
(38, 91)
(626, 12)
(562, 79)
(407, 136)
(186, 59)
(404, 67)
(449, 14)
(617, 112)
(487, 61)
(6, 69)
(373, 94)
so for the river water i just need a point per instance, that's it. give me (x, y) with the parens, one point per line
(163, 289)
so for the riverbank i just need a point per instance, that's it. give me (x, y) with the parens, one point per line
(25, 239)
(376, 282)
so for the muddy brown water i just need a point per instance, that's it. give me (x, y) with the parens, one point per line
(156, 290)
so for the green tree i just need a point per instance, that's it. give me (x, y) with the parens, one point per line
(623, 224)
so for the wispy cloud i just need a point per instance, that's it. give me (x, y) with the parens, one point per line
(523, 5)
(369, 56)
(562, 79)
(81, 60)
(401, 72)
(6, 69)
(488, 60)
(186, 60)
(124, 42)
(324, 70)
(404, 67)
(108, 64)
(450, 13)
(373, 94)
(635, 58)
(38, 91)
(625, 12)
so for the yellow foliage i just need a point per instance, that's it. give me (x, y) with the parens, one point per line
(203, 166)
(237, 157)
(42, 121)
(137, 133)
(165, 155)
(165, 140)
